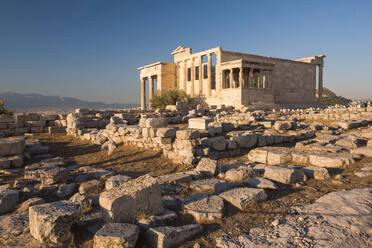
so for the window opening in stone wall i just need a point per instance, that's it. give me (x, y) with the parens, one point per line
(214, 59)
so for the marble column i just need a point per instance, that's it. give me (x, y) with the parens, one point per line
(200, 75)
(260, 81)
(143, 94)
(231, 79)
(218, 74)
(241, 77)
(177, 77)
(184, 87)
(250, 78)
(209, 88)
(151, 90)
(192, 77)
(320, 86)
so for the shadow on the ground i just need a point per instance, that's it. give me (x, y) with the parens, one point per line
(63, 149)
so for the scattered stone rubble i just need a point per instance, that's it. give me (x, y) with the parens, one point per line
(285, 147)
(338, 219)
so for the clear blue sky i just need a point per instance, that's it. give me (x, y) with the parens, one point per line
(91, 49)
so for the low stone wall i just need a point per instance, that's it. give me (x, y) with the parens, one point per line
(185, 145)
(11, 150)
(22, 123)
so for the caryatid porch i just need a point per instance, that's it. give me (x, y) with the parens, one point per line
(245, 82)
(245, 74)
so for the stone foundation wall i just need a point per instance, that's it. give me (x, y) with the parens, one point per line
(20, 124)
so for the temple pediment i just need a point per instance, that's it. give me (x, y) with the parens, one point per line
(179, 49)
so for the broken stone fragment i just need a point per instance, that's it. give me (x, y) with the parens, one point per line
(284, 174)
(283, 125)
(318, 173)
(212, 185)
(240, 174)
(8, 200)
(204, 208)
(215, 129)
(174, 178)
(363, 174)
(29, 203)
(117, 235)
(166, 218)
(300, 157)
(51, 222)
(116, 181)
(124, 203)
(4, 163)
(242, 198)
(82, 202)
(246, 141)
(91, 187)
(155, 122)
(366, 151)
(166, 132)
(66, 190)
(16, 161)
(258, 155)
(13, 225)
(217, 143)
(187, 134)
(199, 123)
(330, 161)
(351, 142)
(207, 166)
(278, 156)
(226, 242)
(261, 183)
(169, 236)
(47, 173)
(11, 146)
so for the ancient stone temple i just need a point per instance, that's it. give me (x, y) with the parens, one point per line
(236, 79)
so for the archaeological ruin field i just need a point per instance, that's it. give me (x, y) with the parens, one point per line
(209, 177)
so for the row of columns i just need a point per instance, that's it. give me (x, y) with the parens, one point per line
(143, 91)
(262, 80)
(183, 84)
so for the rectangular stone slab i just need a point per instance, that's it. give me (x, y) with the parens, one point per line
(123, 203)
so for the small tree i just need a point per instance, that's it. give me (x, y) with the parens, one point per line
(168, 97)
(3, 110)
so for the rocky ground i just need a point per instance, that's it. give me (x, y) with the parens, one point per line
(280, 207)
(287, 184)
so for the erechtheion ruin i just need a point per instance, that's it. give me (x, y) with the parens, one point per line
(236, 79)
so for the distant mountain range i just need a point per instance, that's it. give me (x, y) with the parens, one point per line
(25, 102)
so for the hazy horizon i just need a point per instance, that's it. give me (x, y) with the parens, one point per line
(91, 49)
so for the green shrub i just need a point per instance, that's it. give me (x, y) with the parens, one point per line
(3, 110)
(169, 97)
(331, 101)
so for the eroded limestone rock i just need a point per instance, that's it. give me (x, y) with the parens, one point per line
(242, 198)
(207, 166)
(204, 208)
(8, 200)
(117, 235)
(51, 222)
(169, 236)
(284, 174)
(123, 203)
